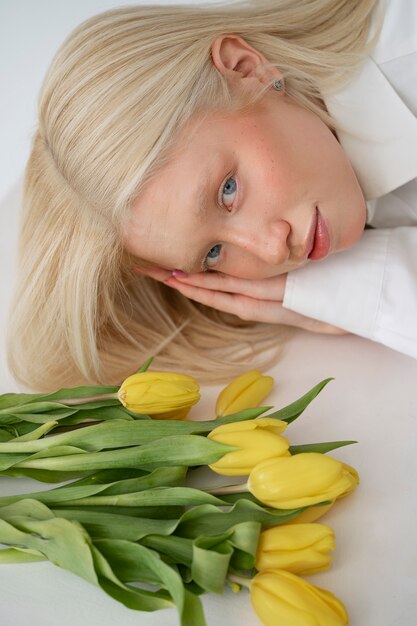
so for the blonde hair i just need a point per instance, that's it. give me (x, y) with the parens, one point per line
(114, 94)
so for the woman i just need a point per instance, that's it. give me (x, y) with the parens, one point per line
(185, 139)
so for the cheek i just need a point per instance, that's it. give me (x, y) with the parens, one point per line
(349, 207)
(353, 232)
(244, 265)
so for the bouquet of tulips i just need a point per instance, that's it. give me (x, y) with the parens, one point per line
(130, 522)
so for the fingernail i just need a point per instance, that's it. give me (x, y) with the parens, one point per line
(178, 274)
(168, 284)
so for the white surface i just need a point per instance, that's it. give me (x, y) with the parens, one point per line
(373, 400)
(30, 34)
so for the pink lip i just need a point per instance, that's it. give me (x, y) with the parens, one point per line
(321, 242)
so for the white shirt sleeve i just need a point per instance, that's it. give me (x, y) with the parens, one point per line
(369, 290)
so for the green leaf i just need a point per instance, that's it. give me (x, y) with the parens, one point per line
(101, 525)
(10, 460)
(36, 418)
(10, 400)
(145, 366)
(211, 558)
(178, 549)
(245, 536)
(209, 520)
(81, 392)
(292, 411)
(5, 435)
(43, 476)
(20, 555)
(33, 408)
(181, 450)
(63, 542)
(323, 447)
(162, 476)
(133, 562)
(135, 598)
(160, 496)
(150, 512)
(109, 434)
(36, 433)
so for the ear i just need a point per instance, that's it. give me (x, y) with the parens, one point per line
(238, 61)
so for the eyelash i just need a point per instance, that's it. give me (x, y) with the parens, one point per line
(205, 266)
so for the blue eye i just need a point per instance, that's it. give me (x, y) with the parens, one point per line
(213, 254)
(229, 191)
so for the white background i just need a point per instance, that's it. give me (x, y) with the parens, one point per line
(373, 400)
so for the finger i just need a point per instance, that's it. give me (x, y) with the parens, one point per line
(237, 304)
(264, 289)
(252, 309)
(157, 273)
(243, 306)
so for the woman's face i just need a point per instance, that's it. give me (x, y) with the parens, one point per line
(251, 194)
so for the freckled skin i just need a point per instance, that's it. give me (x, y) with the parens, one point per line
(285, 161)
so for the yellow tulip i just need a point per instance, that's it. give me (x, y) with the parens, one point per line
(280, 597)
(244, 392)
(311, 514)
(354, 479)
(304, 479)
(257, 439)
(151, 393)
(301, 549)
(177, 414)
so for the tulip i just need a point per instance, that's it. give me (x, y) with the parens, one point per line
(280, 597)
(290, 482)
(244, 392)
(177, 414)
(312, 514)
(258, 439)
(151, 393)
(301, 549)
(354, 479)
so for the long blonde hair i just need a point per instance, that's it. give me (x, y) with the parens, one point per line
(114, 94)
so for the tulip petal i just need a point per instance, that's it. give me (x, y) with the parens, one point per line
(301, 480)
(246, 391)
(280, 597)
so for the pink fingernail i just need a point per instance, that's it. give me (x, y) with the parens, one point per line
(168, 284)
(178, 274)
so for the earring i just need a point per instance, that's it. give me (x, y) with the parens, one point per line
(278, 84)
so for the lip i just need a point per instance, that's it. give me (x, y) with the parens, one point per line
(320, 246)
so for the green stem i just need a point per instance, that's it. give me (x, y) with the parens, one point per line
(72, 401)
(240, 580)
(243, 487)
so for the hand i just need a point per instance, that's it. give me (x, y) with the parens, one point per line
(251, 300)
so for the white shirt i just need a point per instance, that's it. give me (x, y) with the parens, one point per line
(371, 289)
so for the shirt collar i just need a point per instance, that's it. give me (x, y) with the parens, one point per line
(379, 132)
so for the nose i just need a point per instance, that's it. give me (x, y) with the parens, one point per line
(268, 242)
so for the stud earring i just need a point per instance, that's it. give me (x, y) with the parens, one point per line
(278, 84)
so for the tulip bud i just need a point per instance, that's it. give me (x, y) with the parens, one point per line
(151, 393)
(177, 414)
(354, 479)
(258, 439)
(280, 597)
(312, 514)
(301, 549)
(290, 482)
(244, 392)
